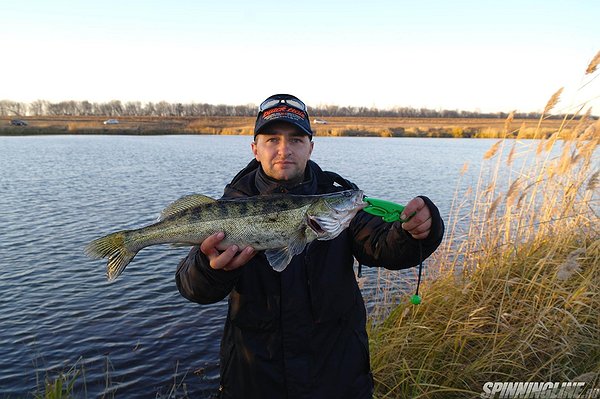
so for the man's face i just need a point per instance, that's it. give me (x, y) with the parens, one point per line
(283, 151)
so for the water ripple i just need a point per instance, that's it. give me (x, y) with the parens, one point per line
(57, 193)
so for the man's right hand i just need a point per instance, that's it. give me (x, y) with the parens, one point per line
(229, 258)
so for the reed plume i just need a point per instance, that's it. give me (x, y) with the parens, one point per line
(553, 101)
(593, 64)
(492, 151)
(508, 122)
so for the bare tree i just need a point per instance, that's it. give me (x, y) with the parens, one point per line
(38, 108)
(132, 108)
(86, 108)
(12, 108)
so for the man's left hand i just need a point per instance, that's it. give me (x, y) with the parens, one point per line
(419, 224)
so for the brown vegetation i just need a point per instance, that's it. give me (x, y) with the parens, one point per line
(513, 295)
(335, 126)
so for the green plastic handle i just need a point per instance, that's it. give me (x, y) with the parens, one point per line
(387, 210)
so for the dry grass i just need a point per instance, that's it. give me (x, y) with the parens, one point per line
(434, 127)
(515, 292)
(336, 126)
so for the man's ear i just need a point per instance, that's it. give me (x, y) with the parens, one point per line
(254, 150)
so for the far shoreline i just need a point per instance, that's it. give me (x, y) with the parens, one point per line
(330, 127)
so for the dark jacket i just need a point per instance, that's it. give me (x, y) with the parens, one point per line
(301, 333)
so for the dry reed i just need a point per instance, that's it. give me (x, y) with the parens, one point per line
(515, 294)
(593, 64)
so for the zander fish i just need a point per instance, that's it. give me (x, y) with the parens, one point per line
(281, 225)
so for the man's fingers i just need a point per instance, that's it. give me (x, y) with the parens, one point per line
(229, 258)
(413, 206)
(420, 222)
(420, 231)
(420, 236)
(209, 245)
(419, 225)
(240, 259)
(223, 259)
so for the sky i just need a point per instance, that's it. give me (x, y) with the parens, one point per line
(488, 56)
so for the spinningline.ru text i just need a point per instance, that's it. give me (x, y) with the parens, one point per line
(539, 390)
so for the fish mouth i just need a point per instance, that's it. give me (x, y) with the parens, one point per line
(360, 203)
(315, 226)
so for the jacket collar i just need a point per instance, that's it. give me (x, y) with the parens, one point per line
(267, 185)
(252, 181)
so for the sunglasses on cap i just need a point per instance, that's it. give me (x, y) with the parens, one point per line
(279, 99)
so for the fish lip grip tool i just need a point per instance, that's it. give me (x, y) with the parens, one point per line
(387, 210)
(391, 212)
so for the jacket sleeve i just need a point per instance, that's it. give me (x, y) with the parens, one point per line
(198, 282)
(388, 245)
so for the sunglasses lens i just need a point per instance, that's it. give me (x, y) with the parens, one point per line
(269, 103)
(296, 103)
(278, 100)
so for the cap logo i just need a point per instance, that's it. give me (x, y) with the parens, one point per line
(283, 108)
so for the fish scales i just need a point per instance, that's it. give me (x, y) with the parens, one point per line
(280, 225)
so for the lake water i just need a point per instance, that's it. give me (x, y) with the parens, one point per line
(59, 192)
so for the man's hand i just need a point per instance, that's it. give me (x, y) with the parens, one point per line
(419, 225)
(229, 258)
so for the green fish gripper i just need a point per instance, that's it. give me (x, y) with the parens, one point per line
(387, 210)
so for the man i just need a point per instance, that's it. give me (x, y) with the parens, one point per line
(299, 333)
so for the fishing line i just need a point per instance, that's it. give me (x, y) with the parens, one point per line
(416, 298)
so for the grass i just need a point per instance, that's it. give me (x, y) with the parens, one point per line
(71, 383)
(515, 296)
(336, 126)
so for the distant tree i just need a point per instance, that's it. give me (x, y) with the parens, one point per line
(86, 108)
(220, 110)
(178, 109)
(206, 109)
(38, 108)
(191, 109)
(115, 108)
(12, 108)
(163, 108)
(241, 110)
(150, 109)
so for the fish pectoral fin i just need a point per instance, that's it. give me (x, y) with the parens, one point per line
(184, 203)
(281, 257)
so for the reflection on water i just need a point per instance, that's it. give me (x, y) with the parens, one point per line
(57, 193)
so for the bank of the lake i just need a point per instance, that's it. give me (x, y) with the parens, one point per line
(333, 126)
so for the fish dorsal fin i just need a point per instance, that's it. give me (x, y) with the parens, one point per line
(185, 202)
(281, 257)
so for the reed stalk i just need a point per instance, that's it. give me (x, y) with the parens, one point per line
(515, 295)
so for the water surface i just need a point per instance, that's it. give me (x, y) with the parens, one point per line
(59, 192)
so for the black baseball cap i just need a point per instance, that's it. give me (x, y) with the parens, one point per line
(283, 108)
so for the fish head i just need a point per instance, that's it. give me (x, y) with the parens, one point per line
(330, 214)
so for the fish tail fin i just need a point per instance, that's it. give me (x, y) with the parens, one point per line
(112, 247)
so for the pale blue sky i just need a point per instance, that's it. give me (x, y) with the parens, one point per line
(469, 55)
